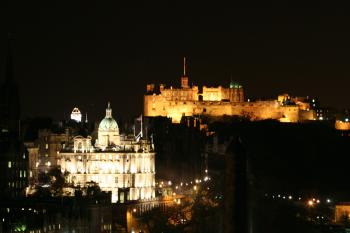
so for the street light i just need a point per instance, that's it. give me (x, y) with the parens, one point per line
(310, 203)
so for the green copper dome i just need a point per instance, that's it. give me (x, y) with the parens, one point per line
(108, 123)
(235, 85)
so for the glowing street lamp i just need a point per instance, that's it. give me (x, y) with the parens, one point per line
(310, 203)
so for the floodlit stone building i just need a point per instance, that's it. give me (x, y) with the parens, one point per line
(342, 124)
(43, 152)
(342, 212)
(76, 115)
(117, 163)
(219, 101)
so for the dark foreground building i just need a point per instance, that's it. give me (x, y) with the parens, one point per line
(13, 155)
(178, 148)
(235, 196)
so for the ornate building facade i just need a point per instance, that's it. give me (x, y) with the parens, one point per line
(218, 101)
(117, 163)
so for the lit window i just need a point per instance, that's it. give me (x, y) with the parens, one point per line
(20, 174)
(46, 155)
(9, 164)
(24, 173)
(47, 146)
(24, 156)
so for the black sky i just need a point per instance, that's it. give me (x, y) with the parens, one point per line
(84, 55)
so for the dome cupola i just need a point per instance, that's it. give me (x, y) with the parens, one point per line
(108, 131)
(108, 123)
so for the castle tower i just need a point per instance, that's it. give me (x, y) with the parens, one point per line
(236, 92)
(184, 78)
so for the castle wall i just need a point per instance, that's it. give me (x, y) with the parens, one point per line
(263, 110)
(156, 105)
(307, 115)
(220, 93)
(212, 93)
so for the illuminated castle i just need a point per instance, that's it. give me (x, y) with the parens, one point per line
(219, 101)
(117, 163)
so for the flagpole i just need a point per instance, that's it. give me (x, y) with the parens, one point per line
(141, 127)
(146, 132)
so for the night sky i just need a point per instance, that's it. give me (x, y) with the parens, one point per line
(84, 55)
